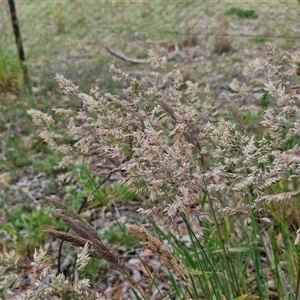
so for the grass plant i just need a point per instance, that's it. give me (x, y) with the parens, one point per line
(219, 188)
(208, 180)
(11, 73)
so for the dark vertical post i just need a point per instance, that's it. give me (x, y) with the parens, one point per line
(18, 38)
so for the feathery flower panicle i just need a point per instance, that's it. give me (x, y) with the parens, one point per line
(64, 112)
(83, 257)
(281, 197)
(9, 259)
(270, 50)
(40, 257)
(86, 237)
(8, 263)
(152, 243)
(40, 119)
(118, 74)
(253, 69)
(297, 240)
(59, 286)
(156, 61)
(50, 138)
(67, 85)
(294, 61)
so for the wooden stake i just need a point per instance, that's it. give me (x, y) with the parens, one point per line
(19, 43)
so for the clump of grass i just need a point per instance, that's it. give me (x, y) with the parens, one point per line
(222, 40)
(190, 32)
(59, 21)
(11, 72)
(209, 175)
(27, 229)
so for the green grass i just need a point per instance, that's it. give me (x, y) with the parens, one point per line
(27, 225)
(69, 37)
(241, 13)
(116, 238)
(11, 73)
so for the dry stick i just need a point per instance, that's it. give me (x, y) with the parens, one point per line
(19, 43)
(136, 60)
(123, 57)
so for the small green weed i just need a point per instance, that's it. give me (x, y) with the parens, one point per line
(105, 196)
(115, 237)
(27, 227)
(242, 13)
(95, 269)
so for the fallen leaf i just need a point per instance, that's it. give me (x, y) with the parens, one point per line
(5, 179)
(25, 189)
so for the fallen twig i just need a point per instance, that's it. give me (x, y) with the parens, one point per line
(136, 60)
(123, 57)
